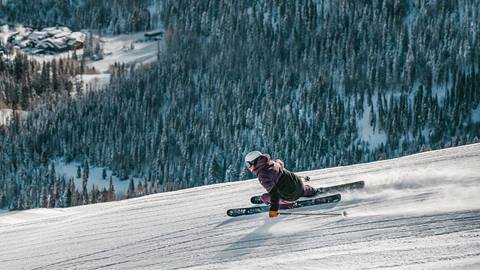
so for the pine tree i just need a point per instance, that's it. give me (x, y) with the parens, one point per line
(3, 201)
(111, 190)
(86, 169)
(294, 84)
(131, 189)
(139, 191)
(94, 197)
(85, 197)
(67, 197)
(145, 186)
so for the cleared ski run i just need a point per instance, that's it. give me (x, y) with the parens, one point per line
(416, 212)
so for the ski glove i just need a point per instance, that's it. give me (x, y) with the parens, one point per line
(273, 214)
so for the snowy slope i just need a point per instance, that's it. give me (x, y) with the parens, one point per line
(416, 212)
(7, 114)
(117, 49)
(69, 170)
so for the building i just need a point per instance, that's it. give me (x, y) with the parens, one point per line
(50, 39)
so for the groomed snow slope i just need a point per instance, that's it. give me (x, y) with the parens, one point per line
(416, 212)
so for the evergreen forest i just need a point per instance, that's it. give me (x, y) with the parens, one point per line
(315, 83)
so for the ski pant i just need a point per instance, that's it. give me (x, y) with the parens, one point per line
(299, 189)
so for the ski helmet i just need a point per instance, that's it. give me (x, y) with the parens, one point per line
(252, 156)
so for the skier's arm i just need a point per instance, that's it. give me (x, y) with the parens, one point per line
(269, 185)
(280, 162)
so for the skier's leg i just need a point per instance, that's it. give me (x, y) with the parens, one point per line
(293, 186)
(283, 204)
(266, 198)
(309, 191)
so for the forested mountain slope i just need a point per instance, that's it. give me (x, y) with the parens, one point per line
(315, 83)
(113, 17)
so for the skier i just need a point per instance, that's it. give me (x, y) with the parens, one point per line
(283, 187)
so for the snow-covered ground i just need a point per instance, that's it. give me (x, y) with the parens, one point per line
(69, 170)
(94, 81)
(132, 48)
(119, 49)
(7, 114)
(125, 48)
(476, 114)
(416, 212)
(374, 137)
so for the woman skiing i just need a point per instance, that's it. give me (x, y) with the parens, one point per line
(283, 187)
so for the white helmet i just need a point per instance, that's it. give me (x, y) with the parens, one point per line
(252, 156)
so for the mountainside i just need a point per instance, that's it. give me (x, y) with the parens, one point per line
(114, 17)
(317, 83)
(416, 212)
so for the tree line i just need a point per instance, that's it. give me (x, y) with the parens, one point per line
(113, 17)
(299, 80)
(25, 82)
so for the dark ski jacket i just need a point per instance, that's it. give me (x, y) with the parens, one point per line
(268, 171)
(279, 183)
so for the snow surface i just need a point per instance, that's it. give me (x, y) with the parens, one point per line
(95, 177)
(130, 49)
(5, 33)
(367, 134)
(7, 114)
(117, 49)
(95, 81)
(476, 114)
(416, 212)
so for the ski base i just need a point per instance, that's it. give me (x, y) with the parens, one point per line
(342, 187)
(265, 208)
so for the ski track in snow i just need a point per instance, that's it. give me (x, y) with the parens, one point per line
(416, 212)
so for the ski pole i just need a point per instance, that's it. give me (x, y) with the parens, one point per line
(344, 213)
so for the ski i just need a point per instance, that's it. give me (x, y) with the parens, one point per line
(342, 187)
(336, 188)
(264, 208)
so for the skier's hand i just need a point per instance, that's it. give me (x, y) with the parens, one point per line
(273, 214)
(280, 161)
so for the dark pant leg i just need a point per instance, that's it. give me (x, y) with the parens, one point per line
(283, 204)
(309, 191)
(290, 186)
